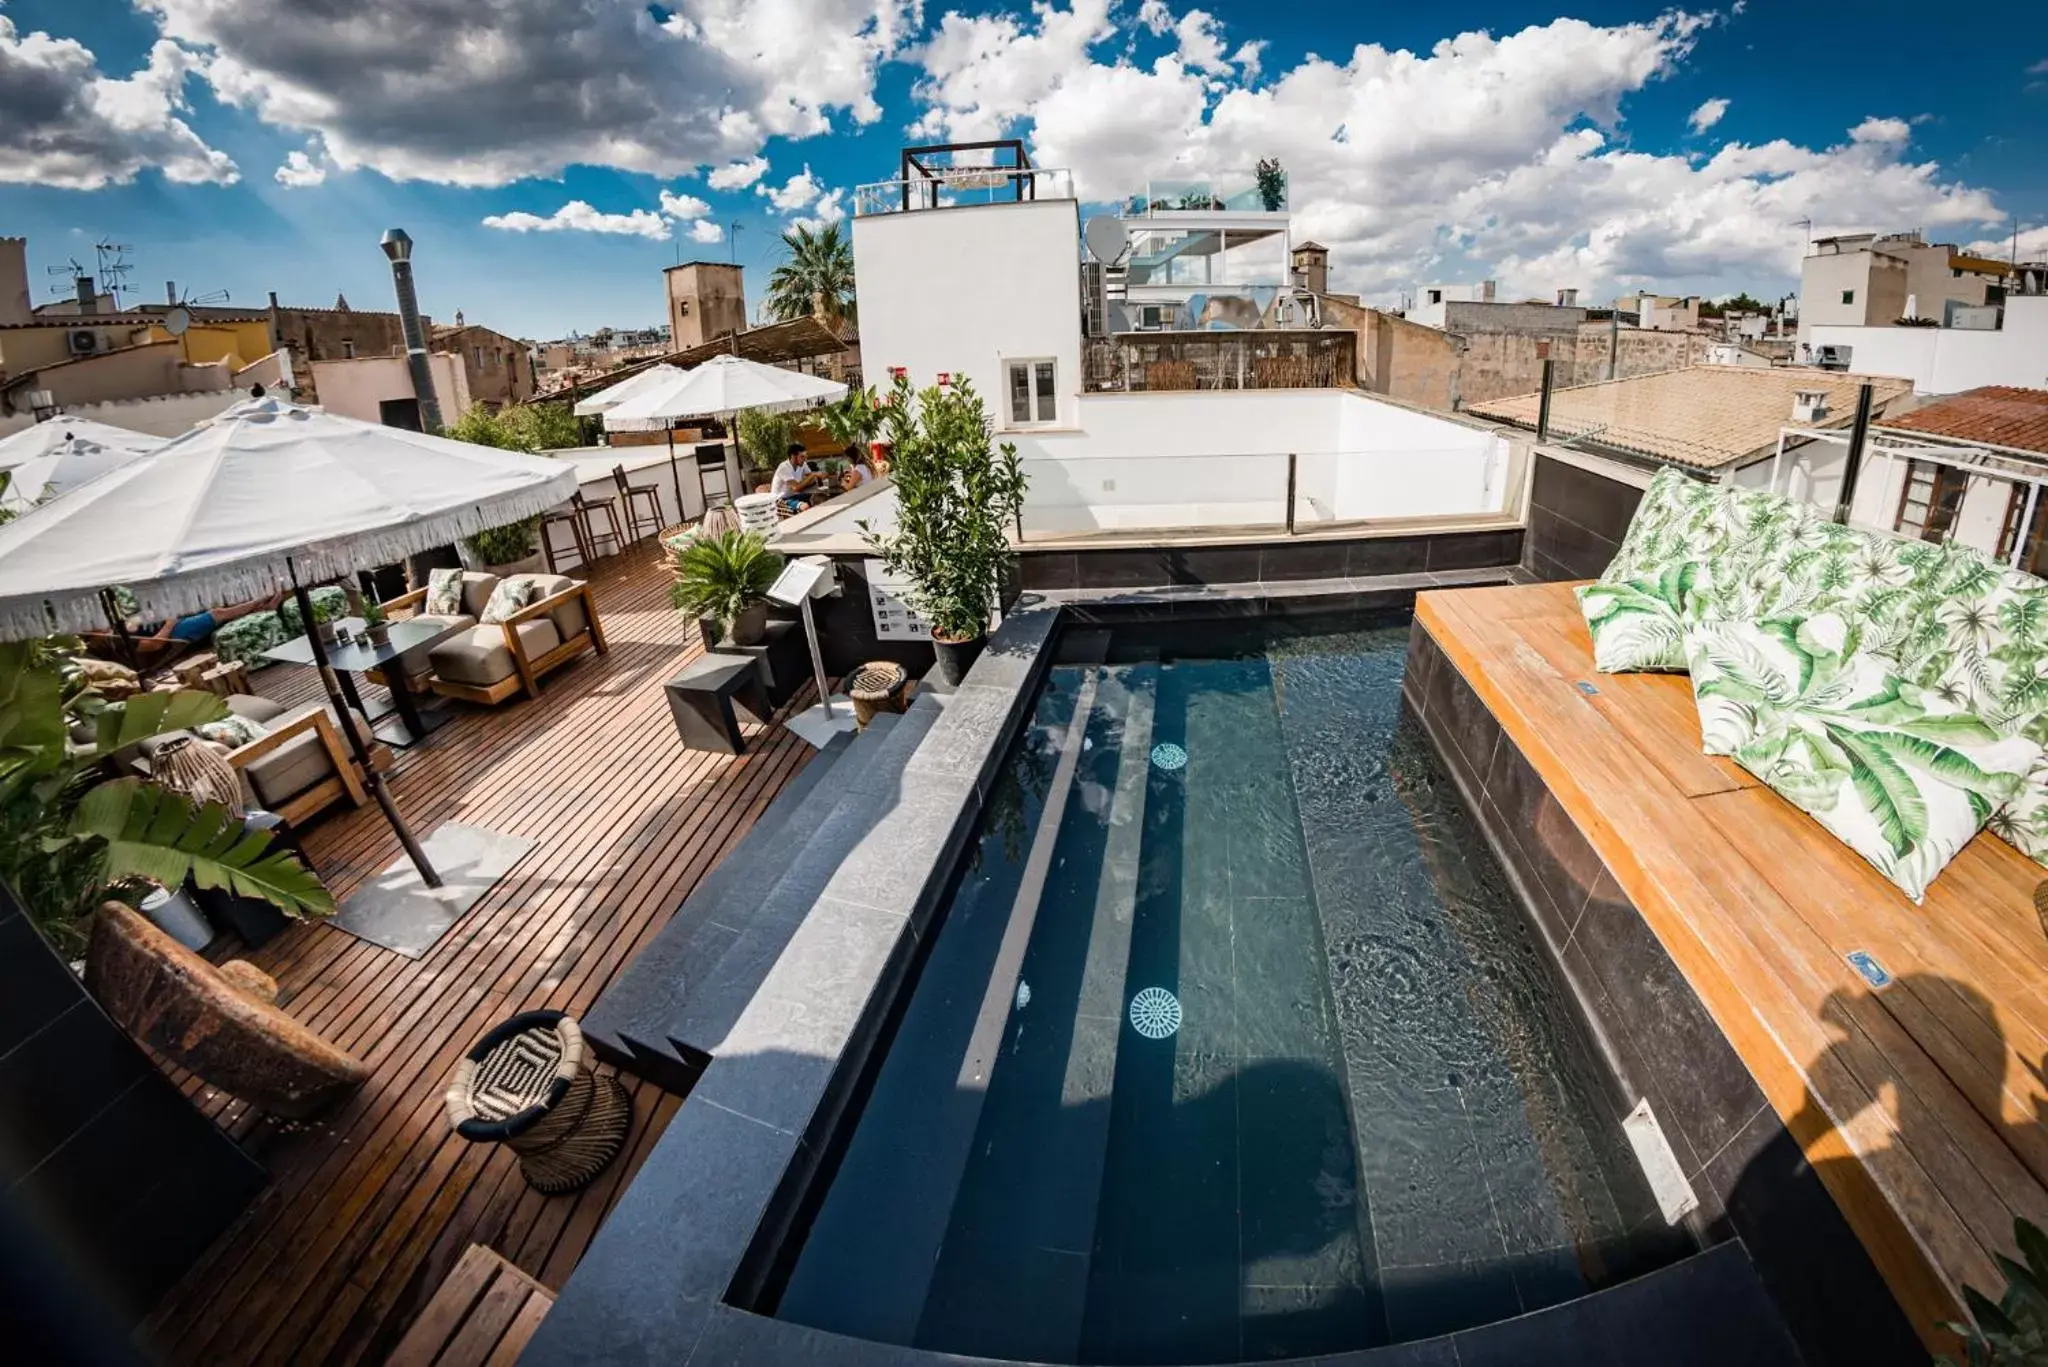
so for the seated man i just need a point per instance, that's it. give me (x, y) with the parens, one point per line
(794, 481)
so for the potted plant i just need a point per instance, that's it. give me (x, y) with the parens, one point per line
(764, 440)
(70, 838)
(375, 625)
(855, 420)
(1272, 185)
(511, 549)
(726, 577)
(957, 497)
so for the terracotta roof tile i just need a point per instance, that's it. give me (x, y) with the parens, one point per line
(2001, 415)
(1705, 416)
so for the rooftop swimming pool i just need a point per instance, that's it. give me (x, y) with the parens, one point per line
(1232, 1043)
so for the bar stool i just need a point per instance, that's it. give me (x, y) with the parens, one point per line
(609, 506)
(574, 517)
(630, 494)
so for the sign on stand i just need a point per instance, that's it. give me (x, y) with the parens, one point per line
(895, 619)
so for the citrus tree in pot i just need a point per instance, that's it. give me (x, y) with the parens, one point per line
(957, 497)
(726, 577)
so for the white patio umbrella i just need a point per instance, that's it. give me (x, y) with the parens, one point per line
(56, 456)
(267, 495)
(604, 400)
(721, 388)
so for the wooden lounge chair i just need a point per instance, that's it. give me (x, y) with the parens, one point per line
(491, 662)
(219, 1022)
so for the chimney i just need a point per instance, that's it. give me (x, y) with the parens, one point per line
(88, 300)
(1809, 405)
(1486, 291)
(1567, 298)
(170, 291)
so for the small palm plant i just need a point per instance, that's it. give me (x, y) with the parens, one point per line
(2013, 1332)
(727, 577)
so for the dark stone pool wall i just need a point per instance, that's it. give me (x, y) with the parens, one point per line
(1751, 1178)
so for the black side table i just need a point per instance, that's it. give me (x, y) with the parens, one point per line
(702, 698)
(784, 661)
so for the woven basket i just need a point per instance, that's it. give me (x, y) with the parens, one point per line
(877, 686)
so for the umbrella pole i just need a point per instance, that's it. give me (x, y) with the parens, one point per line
(682, 512)
(125, 641)
(371, 778)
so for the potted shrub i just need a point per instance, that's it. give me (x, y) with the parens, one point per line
(375, 625)
(855, 420)
(71, 838)
(957, 497)
(726, 578)
(511, 549)
(764, 440)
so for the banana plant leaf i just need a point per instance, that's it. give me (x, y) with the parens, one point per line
(161, 837)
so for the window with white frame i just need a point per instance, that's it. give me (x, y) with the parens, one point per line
(1033, 391)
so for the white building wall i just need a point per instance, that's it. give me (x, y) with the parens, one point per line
(1821, 282)
(962, 289)
(170, 415)
(1951, 360)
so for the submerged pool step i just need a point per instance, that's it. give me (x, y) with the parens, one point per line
(656, 1016)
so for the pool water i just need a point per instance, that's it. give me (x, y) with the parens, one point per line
(1232, 1043)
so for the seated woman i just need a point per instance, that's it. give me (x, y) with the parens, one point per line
(859, 469)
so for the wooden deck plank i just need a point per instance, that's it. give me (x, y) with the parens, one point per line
(369, 1208)
(1919, 1106)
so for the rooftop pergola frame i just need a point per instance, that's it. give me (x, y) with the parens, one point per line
(930, 168)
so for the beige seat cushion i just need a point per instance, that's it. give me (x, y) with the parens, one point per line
(278, 777)
(569, 618)
(477, 588)
(480, 657)
(414, 661)
(256, 709)
(287, 771)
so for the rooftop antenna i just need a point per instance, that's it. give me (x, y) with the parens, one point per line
(732, 241)
(114, 268)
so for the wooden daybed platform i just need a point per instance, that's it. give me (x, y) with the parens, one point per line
(1920, 1104)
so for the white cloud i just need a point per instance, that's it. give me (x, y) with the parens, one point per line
(300, 172)
(579, 217)
(2032, 245)
(470, 94)
(704, 230)
(1882, 131)
(68, 124)
(737, 175)
(1707, 115)
(796, 193)
(1483, 156)
(683, 206)
(831, 209)
(2039, 68)
(1247, 58)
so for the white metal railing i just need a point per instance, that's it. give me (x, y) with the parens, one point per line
(1882, 453)
(947, 189)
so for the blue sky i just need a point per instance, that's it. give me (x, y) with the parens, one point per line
(1581, 153)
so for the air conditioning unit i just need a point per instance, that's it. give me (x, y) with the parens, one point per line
(81, 341)
(1832, 357)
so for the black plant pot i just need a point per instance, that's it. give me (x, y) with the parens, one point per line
(957, 657)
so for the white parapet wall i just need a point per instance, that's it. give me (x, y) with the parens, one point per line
(168, 415)
(1952, 360)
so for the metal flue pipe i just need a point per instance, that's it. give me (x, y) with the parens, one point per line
(398, 246)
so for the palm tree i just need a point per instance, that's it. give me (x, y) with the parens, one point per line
(816, 279)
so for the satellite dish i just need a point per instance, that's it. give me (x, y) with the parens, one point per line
(177, 320)
(1104, 235)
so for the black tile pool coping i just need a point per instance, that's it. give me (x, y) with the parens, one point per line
(699, 1239)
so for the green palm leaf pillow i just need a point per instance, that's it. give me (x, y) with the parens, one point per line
(1689, 555)
(1893, 770)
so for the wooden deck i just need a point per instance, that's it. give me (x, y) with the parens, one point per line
(1920, 1105)
(371, 1207)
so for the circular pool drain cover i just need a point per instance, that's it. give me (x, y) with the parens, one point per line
(1169, 756)
(1155, 1013)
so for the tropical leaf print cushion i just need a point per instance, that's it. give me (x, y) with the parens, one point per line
(1893, 770)
(1689, 555)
